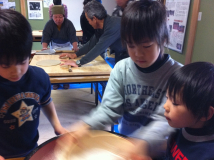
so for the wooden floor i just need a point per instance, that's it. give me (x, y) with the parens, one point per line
(70, 106)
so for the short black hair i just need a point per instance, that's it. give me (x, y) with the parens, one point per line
(15, 37)
(96, 9)
(194, 85)
(57, 2)
(145, 19)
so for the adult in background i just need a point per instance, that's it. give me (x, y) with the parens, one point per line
(107, 34)
(60, 32)
(121, 5)
(87, 29)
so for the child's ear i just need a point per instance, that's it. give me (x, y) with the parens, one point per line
(210, 114)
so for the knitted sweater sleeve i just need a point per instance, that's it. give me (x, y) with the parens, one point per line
(111, 108)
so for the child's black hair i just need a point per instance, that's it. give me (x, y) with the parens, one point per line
(145, 19)
(194, 85)
(15, 37)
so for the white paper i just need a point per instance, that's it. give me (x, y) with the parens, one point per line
(177, 14)
(7, 4)
(35, 9)
(47, 3)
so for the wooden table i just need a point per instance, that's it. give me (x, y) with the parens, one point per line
(21, 158)
(94, 72)
(37, 35)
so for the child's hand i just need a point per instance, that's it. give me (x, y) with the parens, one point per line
(79, 130)
(2, 158)
(59, 130)
(66, 142)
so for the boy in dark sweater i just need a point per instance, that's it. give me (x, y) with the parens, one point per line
(24, 89)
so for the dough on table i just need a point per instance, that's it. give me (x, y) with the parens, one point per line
(48, 62)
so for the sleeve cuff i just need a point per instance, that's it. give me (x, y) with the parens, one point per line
(47, 102)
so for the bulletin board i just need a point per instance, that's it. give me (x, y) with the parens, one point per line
(193, 18)
(35, 9)
(177, 15)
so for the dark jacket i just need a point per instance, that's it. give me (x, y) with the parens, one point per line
(109, 36)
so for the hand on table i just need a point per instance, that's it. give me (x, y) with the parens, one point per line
(59, 130)
(75, 49)
(75, 46)
(66, 142)
(44, 49)
(79, 130)
(69, 63)
(68, 55)
(2, 158)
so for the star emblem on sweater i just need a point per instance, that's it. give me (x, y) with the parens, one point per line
(24, 113)
(12, 127)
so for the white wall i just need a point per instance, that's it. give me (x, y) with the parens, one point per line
(109, 5)
(75, 9)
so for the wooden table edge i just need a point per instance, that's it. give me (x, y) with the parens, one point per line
(79, 79)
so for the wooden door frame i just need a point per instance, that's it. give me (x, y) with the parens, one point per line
(23, 8)
(192, 32)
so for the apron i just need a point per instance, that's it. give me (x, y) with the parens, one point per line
(56, 45)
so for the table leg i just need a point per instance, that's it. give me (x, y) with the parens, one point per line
(112, 127)
(96, 93)
(91, 88)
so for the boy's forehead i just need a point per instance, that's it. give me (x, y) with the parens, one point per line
(145, 40)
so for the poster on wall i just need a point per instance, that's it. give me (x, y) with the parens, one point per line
(35, 9)
(8, 4)
(177, 15)
(47, 3)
